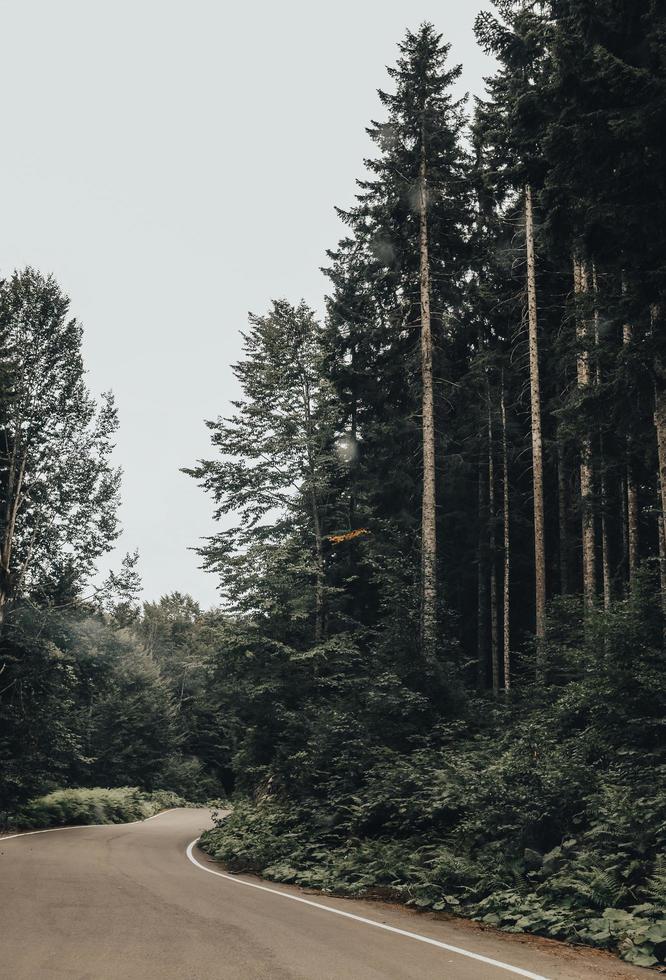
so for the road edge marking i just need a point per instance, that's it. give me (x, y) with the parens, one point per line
(84, 826)
(518, 971)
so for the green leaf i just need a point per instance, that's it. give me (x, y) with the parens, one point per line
(639, 957)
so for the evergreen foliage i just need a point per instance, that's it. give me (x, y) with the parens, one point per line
(366, 765)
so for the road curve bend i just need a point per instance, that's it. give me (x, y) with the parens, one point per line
(124, 902)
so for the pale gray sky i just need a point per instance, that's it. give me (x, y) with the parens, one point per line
(175, 164)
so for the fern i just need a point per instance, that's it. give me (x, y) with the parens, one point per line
(655, 886)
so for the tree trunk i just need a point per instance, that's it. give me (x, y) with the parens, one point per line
(660, 408)
(605, 543)
(494, 619)
(320, 575)
(633, 546)
(581, 287)
(633, 543)
(563, 515)
(14, 500)
(661, 527)
(535, 401)
(482, 572)
(656, 315)
(660, 426)
(320, 568)
(625, 522)
(603, 482)
(354, 435)
(507, 548)
(428, 508)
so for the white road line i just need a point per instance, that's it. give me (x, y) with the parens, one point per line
(84, 826)
(159, 814)
(368, 922)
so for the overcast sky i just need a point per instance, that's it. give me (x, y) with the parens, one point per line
(175, 164)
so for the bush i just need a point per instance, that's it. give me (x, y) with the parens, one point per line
(65, 807)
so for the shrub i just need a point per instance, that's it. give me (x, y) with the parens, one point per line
(65, 807)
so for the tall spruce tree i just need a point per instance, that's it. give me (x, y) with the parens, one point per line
(512, 120)
(410, 220)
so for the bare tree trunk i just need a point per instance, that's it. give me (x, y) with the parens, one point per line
(656, 315)
(633, 543)
(482, 571)
(633, 546)
(625, 522)
(535, 401)
(507, 548)
(14, 500)
(492, 516)
(661, 527)
(603, 483)
(660, 426)
(429, 506)
(605, 543)
(581, 286)
(320, 575)
(563, 515)
(320, 569)
(354, 431)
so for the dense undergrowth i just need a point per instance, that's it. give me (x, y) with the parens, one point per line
(546, 814)
(524, 843)
(64, 807)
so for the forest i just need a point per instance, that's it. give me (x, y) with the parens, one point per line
(436, 672)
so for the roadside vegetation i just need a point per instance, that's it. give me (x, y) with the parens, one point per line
(544, 814)
(66, 807)
(437, 673)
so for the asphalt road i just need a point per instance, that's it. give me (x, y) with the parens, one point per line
(126, 903)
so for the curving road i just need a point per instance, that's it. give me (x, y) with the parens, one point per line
(125, 902)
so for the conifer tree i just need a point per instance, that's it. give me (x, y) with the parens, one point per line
(512, 121)
(410, 217)
(275, 457)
